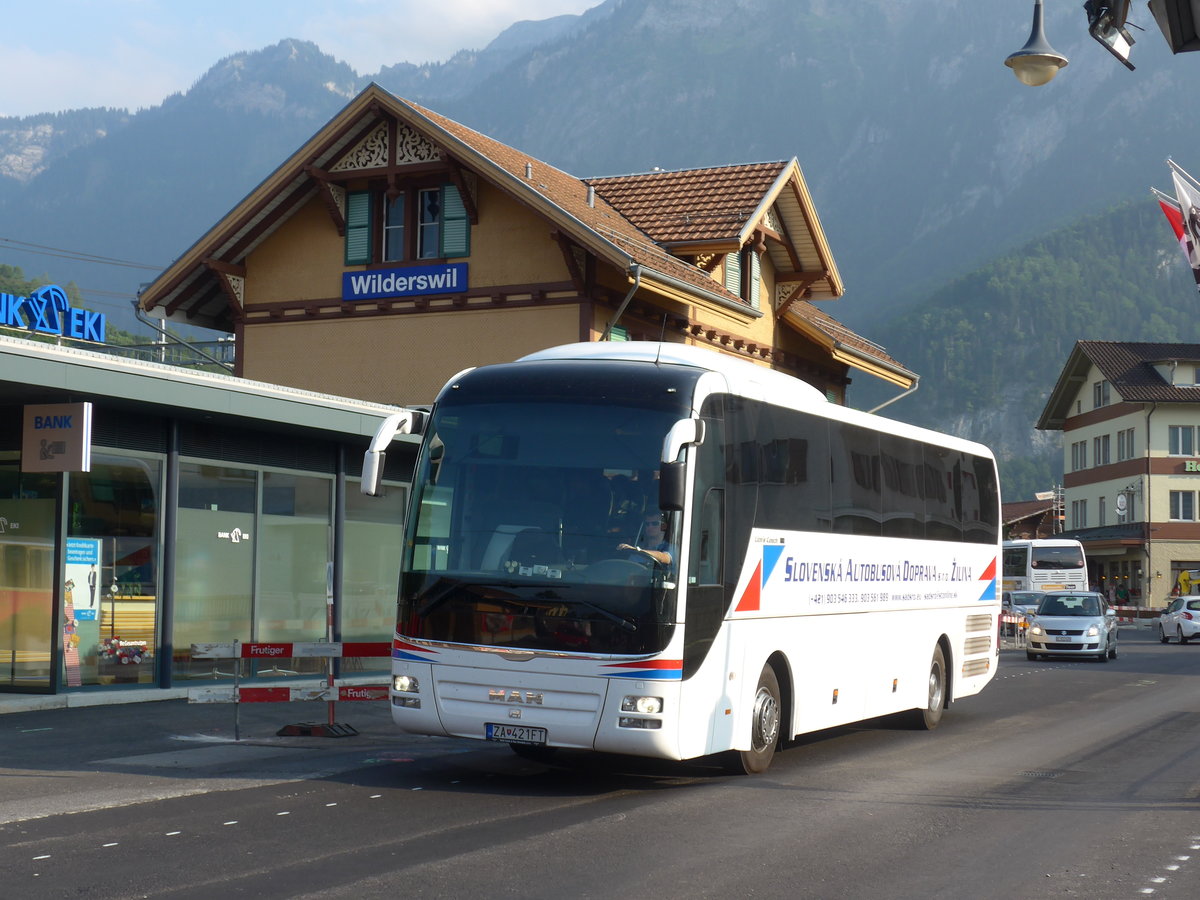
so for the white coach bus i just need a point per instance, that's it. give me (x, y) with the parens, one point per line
(657, 550)
(1043, 564)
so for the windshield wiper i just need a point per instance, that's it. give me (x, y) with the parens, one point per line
(613, 617)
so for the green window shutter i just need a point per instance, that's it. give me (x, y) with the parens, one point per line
(358, 228)
(733, 273)
(755, 279)
(456, 226)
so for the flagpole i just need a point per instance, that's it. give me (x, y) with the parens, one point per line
(1165, 198)
(1178, 168)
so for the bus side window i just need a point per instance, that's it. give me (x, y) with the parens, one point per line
(706, 552)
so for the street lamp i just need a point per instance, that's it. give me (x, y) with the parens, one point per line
(1037, 62)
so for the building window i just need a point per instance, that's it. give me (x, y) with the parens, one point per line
(1183, 506)
(1182, 440)
(1078, 456)
(1125, 447)
(393, 229)
(426, 223)
(1103, 513)
(429, 224)
(1101, 395)
(1079, 514)
(1100, 451)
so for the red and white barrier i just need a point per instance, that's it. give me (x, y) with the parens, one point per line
(290, 650)
(343, 693)
(329, 692)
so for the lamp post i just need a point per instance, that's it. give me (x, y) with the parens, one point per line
(1037, 62)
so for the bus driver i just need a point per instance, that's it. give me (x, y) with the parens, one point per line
(654, 536)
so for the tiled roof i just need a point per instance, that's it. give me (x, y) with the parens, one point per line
(1129, 368)
(817, 318)
(691, 205)
(1023, 509)
(571, 195)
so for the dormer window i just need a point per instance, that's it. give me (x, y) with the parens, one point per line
(415, 224)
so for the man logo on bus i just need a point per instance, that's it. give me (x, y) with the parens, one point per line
(751, 600)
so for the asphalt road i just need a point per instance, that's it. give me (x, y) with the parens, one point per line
(1063, 779)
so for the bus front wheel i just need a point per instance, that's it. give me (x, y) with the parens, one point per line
(764, 727)
(929, 717)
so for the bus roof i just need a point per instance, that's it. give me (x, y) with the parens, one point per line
(739, 373)
(749, 380)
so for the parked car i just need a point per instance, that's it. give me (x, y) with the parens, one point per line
(1017, 607)
(1180, 620)
(1073, 623)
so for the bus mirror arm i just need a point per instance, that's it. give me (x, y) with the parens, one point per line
(672, 468)
(406, 421)
(682, 433)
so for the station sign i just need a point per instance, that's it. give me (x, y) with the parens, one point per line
(404, 281)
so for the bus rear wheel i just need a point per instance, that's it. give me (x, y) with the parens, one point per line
(929, 717)
(765, 720)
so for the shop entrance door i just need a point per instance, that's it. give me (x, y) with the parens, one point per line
(27, 557)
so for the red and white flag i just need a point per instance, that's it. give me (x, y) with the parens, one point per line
(1171, 210)
(1187, 194)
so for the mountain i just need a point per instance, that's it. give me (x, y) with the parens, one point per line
(990, 345)
(930, 165)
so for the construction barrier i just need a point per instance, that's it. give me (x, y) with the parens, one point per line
(329, 692)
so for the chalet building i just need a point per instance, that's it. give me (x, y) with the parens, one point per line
(1027, 519)
(1130, 416)
(398, 247)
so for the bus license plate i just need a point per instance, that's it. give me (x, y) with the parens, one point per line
(514, 734)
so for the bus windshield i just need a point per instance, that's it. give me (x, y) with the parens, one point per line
(1060, 557)
(526, 516)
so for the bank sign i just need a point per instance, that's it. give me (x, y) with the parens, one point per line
(48, 311)
(405, 281)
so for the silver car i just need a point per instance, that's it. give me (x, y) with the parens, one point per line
(1073, 623)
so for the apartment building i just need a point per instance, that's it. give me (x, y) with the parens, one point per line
(1130, 418)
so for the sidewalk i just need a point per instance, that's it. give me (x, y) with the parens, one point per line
(113, 754)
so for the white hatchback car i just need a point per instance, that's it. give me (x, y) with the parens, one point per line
(1180, 620)
(1073, 623)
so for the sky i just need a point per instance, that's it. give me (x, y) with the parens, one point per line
(72, 54)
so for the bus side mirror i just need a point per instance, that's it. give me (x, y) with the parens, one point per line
(671, 486)
(682, 433)
(672, 468)
(407, 421)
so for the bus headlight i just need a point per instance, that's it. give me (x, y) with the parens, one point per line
(644, 705)
(406, 684)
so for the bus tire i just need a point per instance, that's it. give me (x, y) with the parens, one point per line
(764, 727)
(929, 717)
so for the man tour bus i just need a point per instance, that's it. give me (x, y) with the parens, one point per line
(657, 550)
(1044, 564)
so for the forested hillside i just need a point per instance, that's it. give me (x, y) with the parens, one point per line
(990, 345)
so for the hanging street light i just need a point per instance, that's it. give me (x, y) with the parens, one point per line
(1037, 62)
